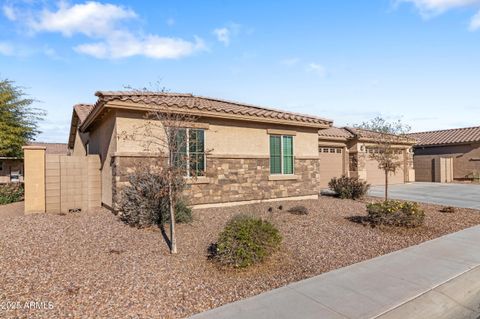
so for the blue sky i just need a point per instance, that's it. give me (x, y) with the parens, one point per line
(349, 61)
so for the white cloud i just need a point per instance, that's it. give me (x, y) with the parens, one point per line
(433, 7)
(125, 45)
(223, 35)
(290, 61)
(318, 69)
(104, 23)
(6, 48)
(170, 22)
(475, 22)
(90, 18)
(9, 12)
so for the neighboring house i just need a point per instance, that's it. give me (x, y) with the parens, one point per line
(254, 153)
(52, 148)
(346, 151)
(11, 168)
(447, 155)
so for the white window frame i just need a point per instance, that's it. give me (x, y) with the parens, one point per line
(187, 133)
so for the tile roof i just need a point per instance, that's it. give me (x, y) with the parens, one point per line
(52, 148)
(452, 136)
(83, 110)
(206, 104)
(335, 133)
(346, 133)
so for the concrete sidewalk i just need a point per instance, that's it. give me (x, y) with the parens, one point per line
(411, 283)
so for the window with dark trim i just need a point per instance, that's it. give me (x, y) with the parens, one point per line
(281, 154)
(190, 152)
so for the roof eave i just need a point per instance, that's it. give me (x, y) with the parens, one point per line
(101, 105)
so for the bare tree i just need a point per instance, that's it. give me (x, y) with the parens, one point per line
(164, 133)
(386, 136)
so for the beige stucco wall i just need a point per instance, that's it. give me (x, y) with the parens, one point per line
(79, 145)
(103, 142)
(222, 138)
(34, 168)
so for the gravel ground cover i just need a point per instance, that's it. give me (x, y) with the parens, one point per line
(90, 265)
(14, 209)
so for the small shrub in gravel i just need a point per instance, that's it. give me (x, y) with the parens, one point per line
(348, 187)
(448, 209)
(11, 193)
(245, 241)
(298, 210)
(141, 206)
(395, 213)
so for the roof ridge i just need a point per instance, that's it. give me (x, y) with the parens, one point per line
(445, 130)
(141, 93)
(259, 107)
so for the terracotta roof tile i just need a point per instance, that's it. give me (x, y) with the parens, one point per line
(52, 148)
(206, 104)
(336, 133)
(452, 136)
(82, 111)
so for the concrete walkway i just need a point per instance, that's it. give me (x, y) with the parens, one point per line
(458, 195)
(436, 279)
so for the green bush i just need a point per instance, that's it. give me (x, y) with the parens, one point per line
(348, 187)
(11, 193)
(246, 240)
(395, 213)
(298, 210)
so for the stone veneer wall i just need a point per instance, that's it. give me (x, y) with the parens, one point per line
(234, 179)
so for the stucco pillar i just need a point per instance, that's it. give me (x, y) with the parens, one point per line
(408, 165)
(34, 170)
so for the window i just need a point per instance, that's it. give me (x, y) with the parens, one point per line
(190, 151)
(281, 154)
(1, 166)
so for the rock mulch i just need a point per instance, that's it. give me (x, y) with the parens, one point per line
(90, 265)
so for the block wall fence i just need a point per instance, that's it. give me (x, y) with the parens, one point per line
(60, 183)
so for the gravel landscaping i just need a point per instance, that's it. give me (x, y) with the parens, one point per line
(91, 265)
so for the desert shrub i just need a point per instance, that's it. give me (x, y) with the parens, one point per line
(183, 213)
(11, 193)
(246, 240)
(348, 187)
(298, 210)
(448, 209)
(395, 213)
(143, 202)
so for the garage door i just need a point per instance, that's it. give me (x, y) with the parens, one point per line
(376, 176)
(331, 164)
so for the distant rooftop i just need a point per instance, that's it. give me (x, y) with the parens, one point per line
(52, 148)
(451, 136)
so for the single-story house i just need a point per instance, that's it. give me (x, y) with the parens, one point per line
(248, 153)
(11, 168)
(447, 155)
(346, 151)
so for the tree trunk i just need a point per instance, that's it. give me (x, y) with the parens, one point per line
(386, 185)
(173, 242)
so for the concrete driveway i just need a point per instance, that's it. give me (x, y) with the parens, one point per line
(458, 195)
